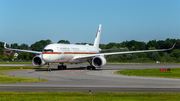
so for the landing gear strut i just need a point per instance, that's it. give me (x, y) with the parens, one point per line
(48, 69)
(91, 67)
(62, 66)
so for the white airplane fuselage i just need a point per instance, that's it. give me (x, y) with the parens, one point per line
(65, 53)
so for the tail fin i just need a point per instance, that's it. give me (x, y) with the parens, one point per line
(97, 39)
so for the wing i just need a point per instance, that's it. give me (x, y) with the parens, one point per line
(119, 53)
(29, 51)
(110, 49)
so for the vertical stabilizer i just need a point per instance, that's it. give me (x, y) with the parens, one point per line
(97, 39)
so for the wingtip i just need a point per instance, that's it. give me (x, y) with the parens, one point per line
(5, 45)
(172, 46)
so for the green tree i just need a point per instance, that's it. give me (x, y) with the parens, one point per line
(123, 44)
(38, 46)
(177, 46)
(131, 56)
(24, 46)
(102, 46)
(131, 44)
(11, 56)
(155, 56)
(167, 58)
(161, 44)
(175, 53)
(15, 46)
(1, 51)
(64, 41)
(140, 46)
(152, 43)
(141, 55)
(25, 56)
(110, 45)
(1, 57)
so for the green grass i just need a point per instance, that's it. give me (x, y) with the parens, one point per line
(174, 73)
(11, 62)
(77, 96)
(10, 79)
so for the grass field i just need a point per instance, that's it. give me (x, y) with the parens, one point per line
(174, 73)
(77, 96)
(15, 79)
(15, 62)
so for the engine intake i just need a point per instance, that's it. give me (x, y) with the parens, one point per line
(37, 61)
(98, 61)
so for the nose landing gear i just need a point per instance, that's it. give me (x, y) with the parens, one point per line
(48, 69)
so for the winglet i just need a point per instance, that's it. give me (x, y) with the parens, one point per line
(5, 45)
(172, 46)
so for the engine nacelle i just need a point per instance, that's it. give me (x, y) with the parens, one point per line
(98, 61)
(37, 61)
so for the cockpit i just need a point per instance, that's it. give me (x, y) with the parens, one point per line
(48, 50)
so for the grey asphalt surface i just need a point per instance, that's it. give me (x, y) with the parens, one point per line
(77, 78)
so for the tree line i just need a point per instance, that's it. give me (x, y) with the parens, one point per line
(171, 55)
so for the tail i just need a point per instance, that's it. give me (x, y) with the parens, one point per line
(97, 39)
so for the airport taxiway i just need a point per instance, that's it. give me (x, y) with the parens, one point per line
(77, 78)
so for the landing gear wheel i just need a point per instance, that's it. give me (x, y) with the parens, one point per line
(48, 69)
(61, 67)
(88, 67)
(91, 68)
(64, 67)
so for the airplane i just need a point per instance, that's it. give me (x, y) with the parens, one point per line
(71, 53)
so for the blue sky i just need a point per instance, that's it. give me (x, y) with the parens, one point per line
(28, 21)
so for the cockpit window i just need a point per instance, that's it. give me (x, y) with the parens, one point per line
(48, 50)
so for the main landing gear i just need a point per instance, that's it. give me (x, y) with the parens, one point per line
(62, 66)
(48, 69)
(91, 67)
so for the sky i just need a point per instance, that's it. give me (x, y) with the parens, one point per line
(29, 21)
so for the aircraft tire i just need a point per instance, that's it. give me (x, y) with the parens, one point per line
(59, 67)
(93, 68)
(48, 69)
(88, 67)
(64, 67)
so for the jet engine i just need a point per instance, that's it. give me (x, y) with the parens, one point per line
(37, 61)
(98, 61)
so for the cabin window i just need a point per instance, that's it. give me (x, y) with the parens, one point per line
(48, 50)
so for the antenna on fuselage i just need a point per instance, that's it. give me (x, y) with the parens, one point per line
(97, 39)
